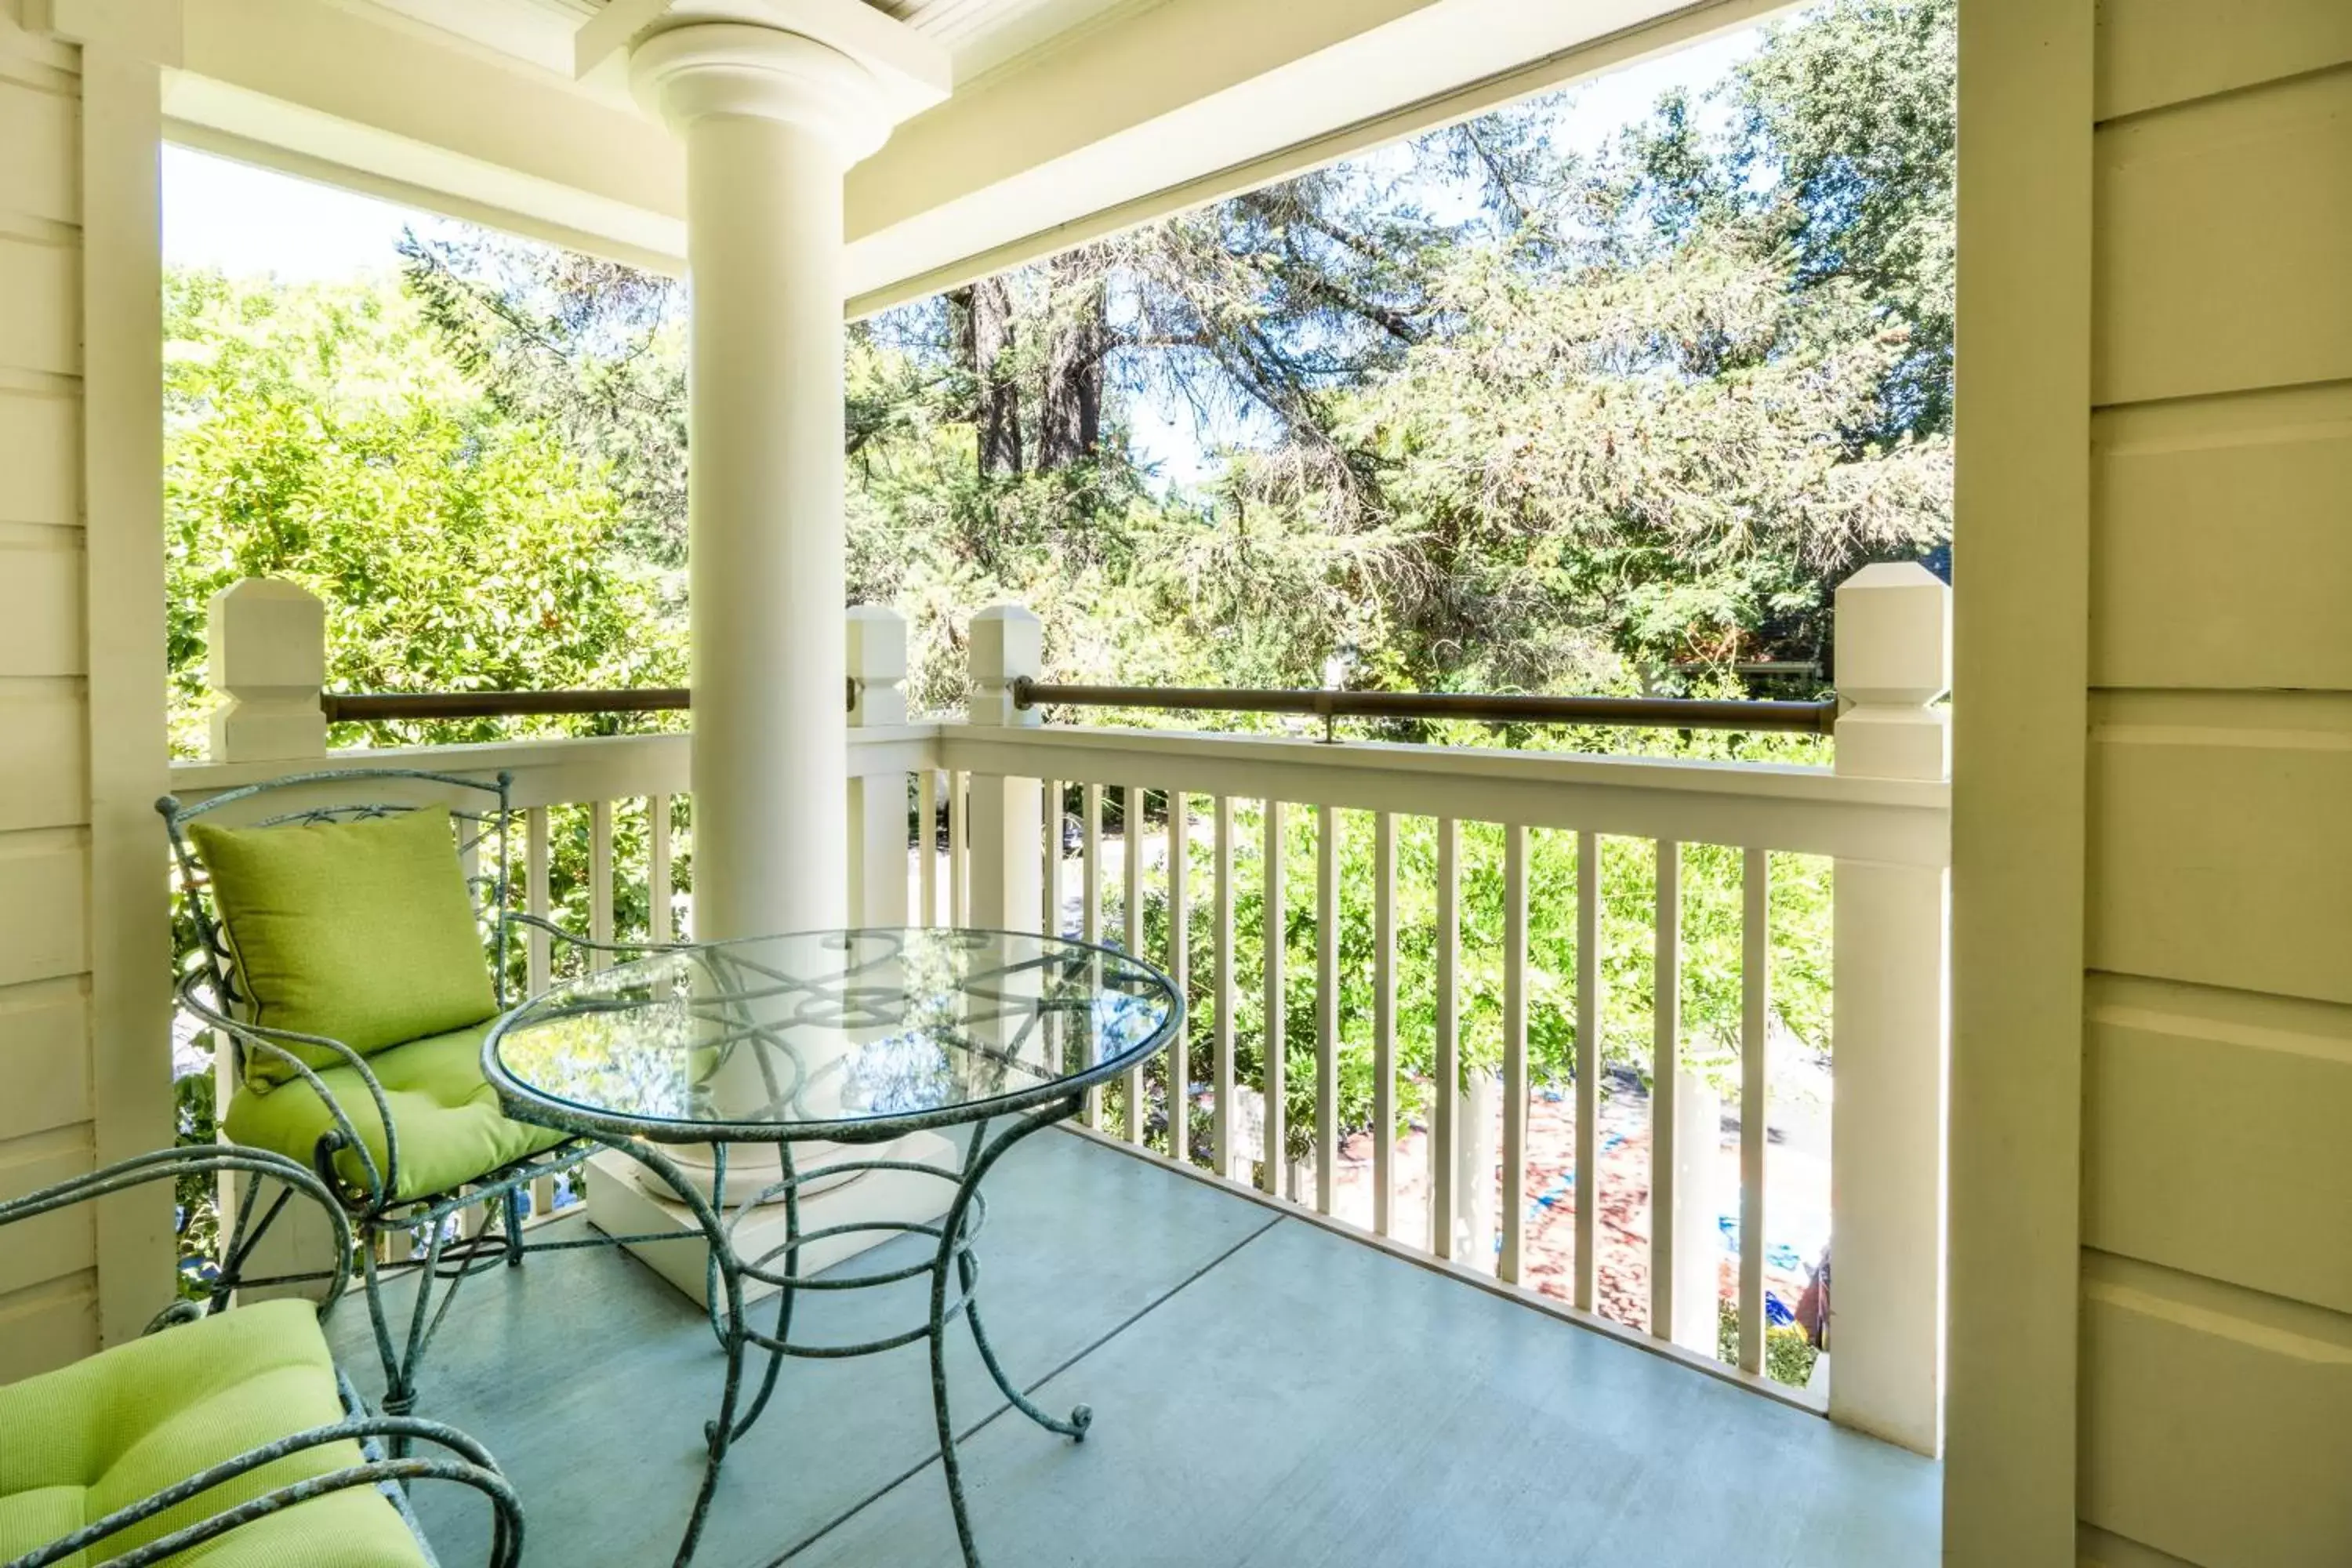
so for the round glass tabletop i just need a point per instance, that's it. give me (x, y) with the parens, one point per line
(847, 1035)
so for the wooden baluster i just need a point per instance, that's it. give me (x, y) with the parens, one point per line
(1221, 1069)
(1180, 1049)
(1090, 904)
(660, 917)
(1049, 908)
(1755, 997)
(1384, 1130)
(1511, 1208)
(534, 897)
(1272, 1150)
(927, 842)
(1588, 1069)
(959, 849)
(1444, 1123)
(1327, 1007)
(1131, 904)
(1665, 1074)
(599, 880)
(1685, 1134)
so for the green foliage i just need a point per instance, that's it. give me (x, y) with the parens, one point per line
(1789, 1356)
(1709, 995)
(321, 433)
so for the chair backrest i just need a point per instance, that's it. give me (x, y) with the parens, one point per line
(482, 811)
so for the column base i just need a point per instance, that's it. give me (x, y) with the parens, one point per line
(617, 1205)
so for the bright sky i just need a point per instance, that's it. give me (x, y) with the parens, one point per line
(249, 221)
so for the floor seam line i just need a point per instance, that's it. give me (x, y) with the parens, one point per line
(1028, 1390)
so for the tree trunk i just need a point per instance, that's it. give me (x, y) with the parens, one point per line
(981, 320)
(1069, 408)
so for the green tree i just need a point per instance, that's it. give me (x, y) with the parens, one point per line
(321, 433)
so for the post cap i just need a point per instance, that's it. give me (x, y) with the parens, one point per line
(1893, 635)
(264, 634)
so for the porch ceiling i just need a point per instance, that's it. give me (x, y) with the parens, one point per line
(979, 35)
(1069, 118)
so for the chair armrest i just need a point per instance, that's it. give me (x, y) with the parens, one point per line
(472, 1466)
(196, 1159)
(381, 1184)
(587, 944)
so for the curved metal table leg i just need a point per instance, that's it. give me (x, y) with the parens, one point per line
(984, 1153)
(719, 1433)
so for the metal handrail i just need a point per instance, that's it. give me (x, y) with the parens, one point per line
(1331, 706)
(355, 706)
(1627, 712)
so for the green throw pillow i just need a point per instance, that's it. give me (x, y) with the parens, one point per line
(361, 931)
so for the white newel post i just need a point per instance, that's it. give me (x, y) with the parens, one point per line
(1889, 1038)
(268, 663)
(267, 641)
(772, 118)
(1008, 818)
(878, 806)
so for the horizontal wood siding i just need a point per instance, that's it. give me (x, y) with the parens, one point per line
(2152, 53)
(2234, 515)
(2214, 1418)
(2223, 238)
(2221, 842)
(2215, 1391)
(48, 1101)
(2184, 1084)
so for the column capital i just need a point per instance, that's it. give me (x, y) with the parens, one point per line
(839, 68)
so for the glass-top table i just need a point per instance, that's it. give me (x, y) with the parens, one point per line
(825, 1038)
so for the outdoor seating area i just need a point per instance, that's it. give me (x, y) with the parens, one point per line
(1191, 783)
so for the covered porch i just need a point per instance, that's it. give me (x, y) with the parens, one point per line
(1267, 1392)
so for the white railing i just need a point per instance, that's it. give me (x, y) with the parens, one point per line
(1880, 815)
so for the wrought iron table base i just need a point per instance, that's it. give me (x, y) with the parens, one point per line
(954, 1233)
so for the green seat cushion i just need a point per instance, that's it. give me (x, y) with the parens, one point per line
(445, 1112)
(80, 1442)
(361, 931)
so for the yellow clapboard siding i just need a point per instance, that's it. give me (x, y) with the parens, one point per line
(44, 1057)
(59, 1244)
(2223, 240)
(40, 458)
(49, 1325)
(37, 177)
(2156, 52)
(44, 905)
(2221, 541)
(42, 625)
(2101, 1548)
(2182, 1083)
(2214, 1419)
(45, 767)
(2220, 842)
(40, 284)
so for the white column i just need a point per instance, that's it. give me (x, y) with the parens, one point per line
(771, 120)
(1889, 1040)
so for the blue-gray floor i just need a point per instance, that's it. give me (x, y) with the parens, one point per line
(1265, 1393)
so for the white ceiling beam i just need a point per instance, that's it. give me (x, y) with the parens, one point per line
(417, 114)
(1151, 106)
(1146, 110)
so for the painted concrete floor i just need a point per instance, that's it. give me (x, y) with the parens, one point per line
(1265, 1393)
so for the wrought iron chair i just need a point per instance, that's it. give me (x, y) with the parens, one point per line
(234, 1425)
(382, 1195)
